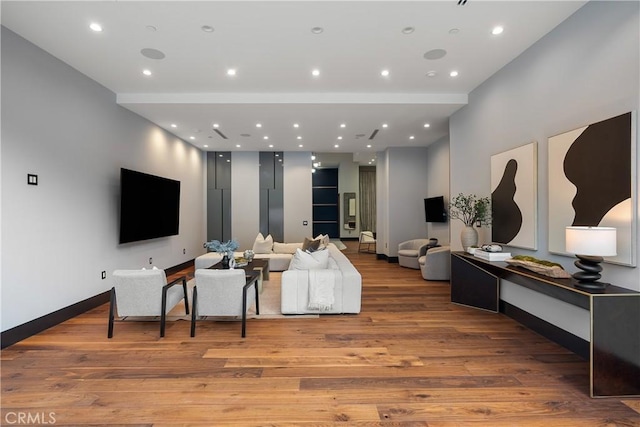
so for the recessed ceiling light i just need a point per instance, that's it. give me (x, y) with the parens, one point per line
(432, 73)
(315, 72)
(146, 72)
(216, 125)
(231, 72)
(237, 145)
(192, 137)
(384, 125)
(412, 137)
(258, 125)
(313, 170)
(205, 146)
(454, 73)
(368, 145)
(427, 125)
(295, 125)
(207, 28)
(228, 160)
(384, 73)
(497, 30)
(317, 30)
(336, 146)
(96, 27)
(300, 145)
(220, 155)
(270, 145)
(313, 157)
(343, 125)
(173, 125)
(299, 137)
(339, 137)
(265, 137)
(408, 30)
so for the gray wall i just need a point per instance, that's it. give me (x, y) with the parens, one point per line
(297, 196)
(59, 236)
(401, 189)
(437, 167)
(584, 71)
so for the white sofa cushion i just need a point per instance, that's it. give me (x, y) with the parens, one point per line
(318, 260)
(263, 245)
(286, 248)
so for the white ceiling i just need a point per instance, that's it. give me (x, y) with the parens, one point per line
(273, 49)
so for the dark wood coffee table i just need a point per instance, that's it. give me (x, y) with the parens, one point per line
(260, 265)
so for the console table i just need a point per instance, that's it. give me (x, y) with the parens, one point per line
(614, 349)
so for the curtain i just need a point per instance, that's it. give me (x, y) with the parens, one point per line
(368, 198)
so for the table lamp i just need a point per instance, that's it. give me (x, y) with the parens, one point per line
(590, 244)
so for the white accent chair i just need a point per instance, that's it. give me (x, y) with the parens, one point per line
(436, 263)
(411, 250)
(224, 293)
(145, 293)
(366, 240)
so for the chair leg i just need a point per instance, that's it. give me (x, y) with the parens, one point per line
(186, 296)
(112, 303)
(194, 308)
(255, 286)
(244, 311)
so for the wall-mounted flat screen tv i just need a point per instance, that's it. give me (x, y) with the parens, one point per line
(434, 210)
(149, 206)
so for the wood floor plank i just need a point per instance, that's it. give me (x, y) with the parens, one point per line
(410, 358)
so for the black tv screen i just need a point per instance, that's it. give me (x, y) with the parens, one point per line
(149, 206)
(434, 210)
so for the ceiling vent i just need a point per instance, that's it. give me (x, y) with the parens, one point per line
(220, 133)
(462, 2)
(374, 133)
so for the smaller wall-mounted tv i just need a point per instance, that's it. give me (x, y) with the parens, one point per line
(434, 210)
(149, 206)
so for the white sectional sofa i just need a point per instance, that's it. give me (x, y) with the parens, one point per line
(347, 287)
(279, 258)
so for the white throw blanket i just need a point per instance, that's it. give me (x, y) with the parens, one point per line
(321, 287)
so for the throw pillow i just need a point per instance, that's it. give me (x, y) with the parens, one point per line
(324, 240)
(309, 261)
(263, 245)
(310, 245)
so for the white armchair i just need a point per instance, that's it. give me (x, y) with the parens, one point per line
(145, 293)
(224, 293)
(366, 240)
(411, 250)
(436, 263)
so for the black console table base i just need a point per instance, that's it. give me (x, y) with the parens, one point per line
(614, 349)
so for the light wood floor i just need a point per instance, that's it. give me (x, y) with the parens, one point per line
(410, 358)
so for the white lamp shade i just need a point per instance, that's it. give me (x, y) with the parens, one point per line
(593, 241)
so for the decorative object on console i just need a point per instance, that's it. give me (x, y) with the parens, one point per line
(546, 268)
(248, 255)
(471, 210)
(492, 256)
(592, 172)
(590, 244)
(491, 248)
(513, 197)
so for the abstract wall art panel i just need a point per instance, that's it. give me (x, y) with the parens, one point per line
(592, 181)
(514, 197)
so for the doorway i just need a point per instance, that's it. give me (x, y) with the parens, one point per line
(326, 211)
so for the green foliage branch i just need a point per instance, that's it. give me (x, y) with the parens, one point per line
(470, 209)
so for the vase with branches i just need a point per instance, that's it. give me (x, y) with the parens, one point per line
(471, 210)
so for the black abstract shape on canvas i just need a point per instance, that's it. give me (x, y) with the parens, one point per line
(598, 163)
(505, 212)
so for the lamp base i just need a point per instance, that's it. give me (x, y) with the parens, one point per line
(590, 286)
(587, 279)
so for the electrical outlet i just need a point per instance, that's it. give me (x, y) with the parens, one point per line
(150, 261)
(104, 275)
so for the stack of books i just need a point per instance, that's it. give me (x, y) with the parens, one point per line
(492, 256)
